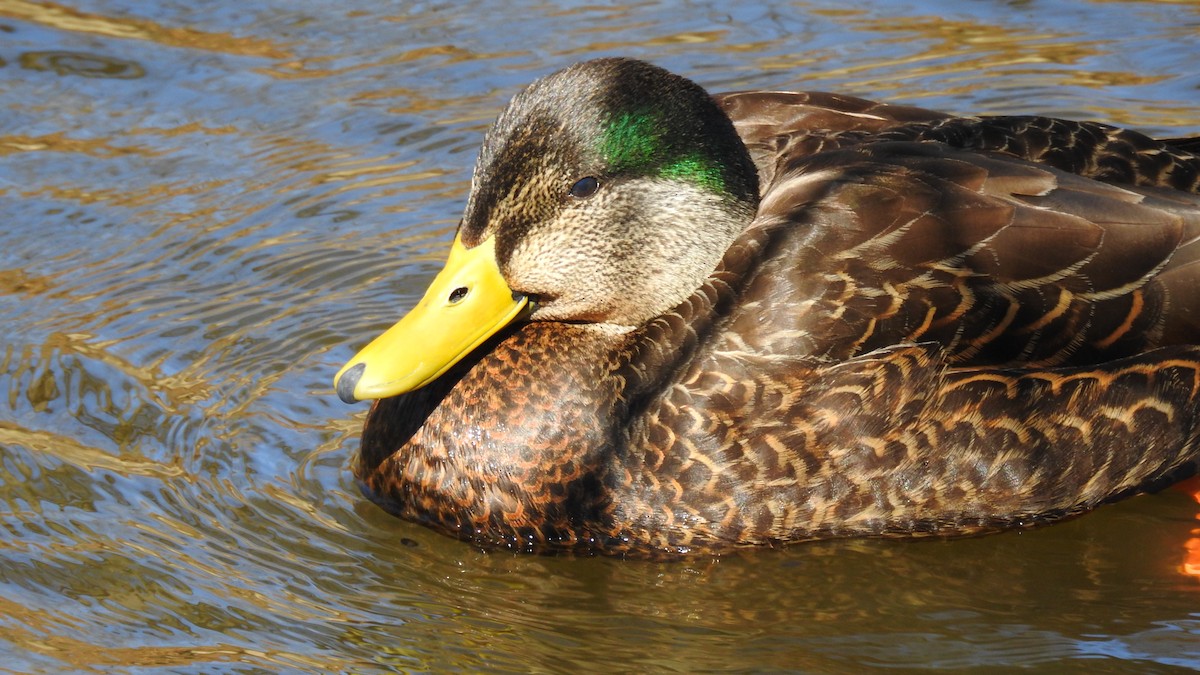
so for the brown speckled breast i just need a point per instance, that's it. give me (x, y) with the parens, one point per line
(536, 456)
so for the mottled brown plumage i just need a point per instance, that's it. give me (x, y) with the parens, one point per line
(932, 326)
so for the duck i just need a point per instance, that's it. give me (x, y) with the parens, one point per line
(673, 323)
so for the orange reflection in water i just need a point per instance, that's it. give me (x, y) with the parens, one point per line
(1191, 558)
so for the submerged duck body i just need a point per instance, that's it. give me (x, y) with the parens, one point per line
(678, 323)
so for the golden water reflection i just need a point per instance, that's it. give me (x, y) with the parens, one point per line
(62, 17)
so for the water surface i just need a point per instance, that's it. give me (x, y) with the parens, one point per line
(209, 206)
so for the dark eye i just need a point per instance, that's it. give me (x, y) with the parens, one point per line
(585, 187)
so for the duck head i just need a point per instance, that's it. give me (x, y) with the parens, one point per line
(603, 195)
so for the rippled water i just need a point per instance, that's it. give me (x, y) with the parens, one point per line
(208, 206)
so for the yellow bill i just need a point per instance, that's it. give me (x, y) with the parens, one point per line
(467, 303)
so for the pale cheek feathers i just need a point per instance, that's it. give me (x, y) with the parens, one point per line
(625, 283)
(623, 260)
(575, 280)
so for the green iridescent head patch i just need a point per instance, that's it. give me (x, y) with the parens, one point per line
(640, 142)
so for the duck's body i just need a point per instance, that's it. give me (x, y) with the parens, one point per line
(888, 321)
